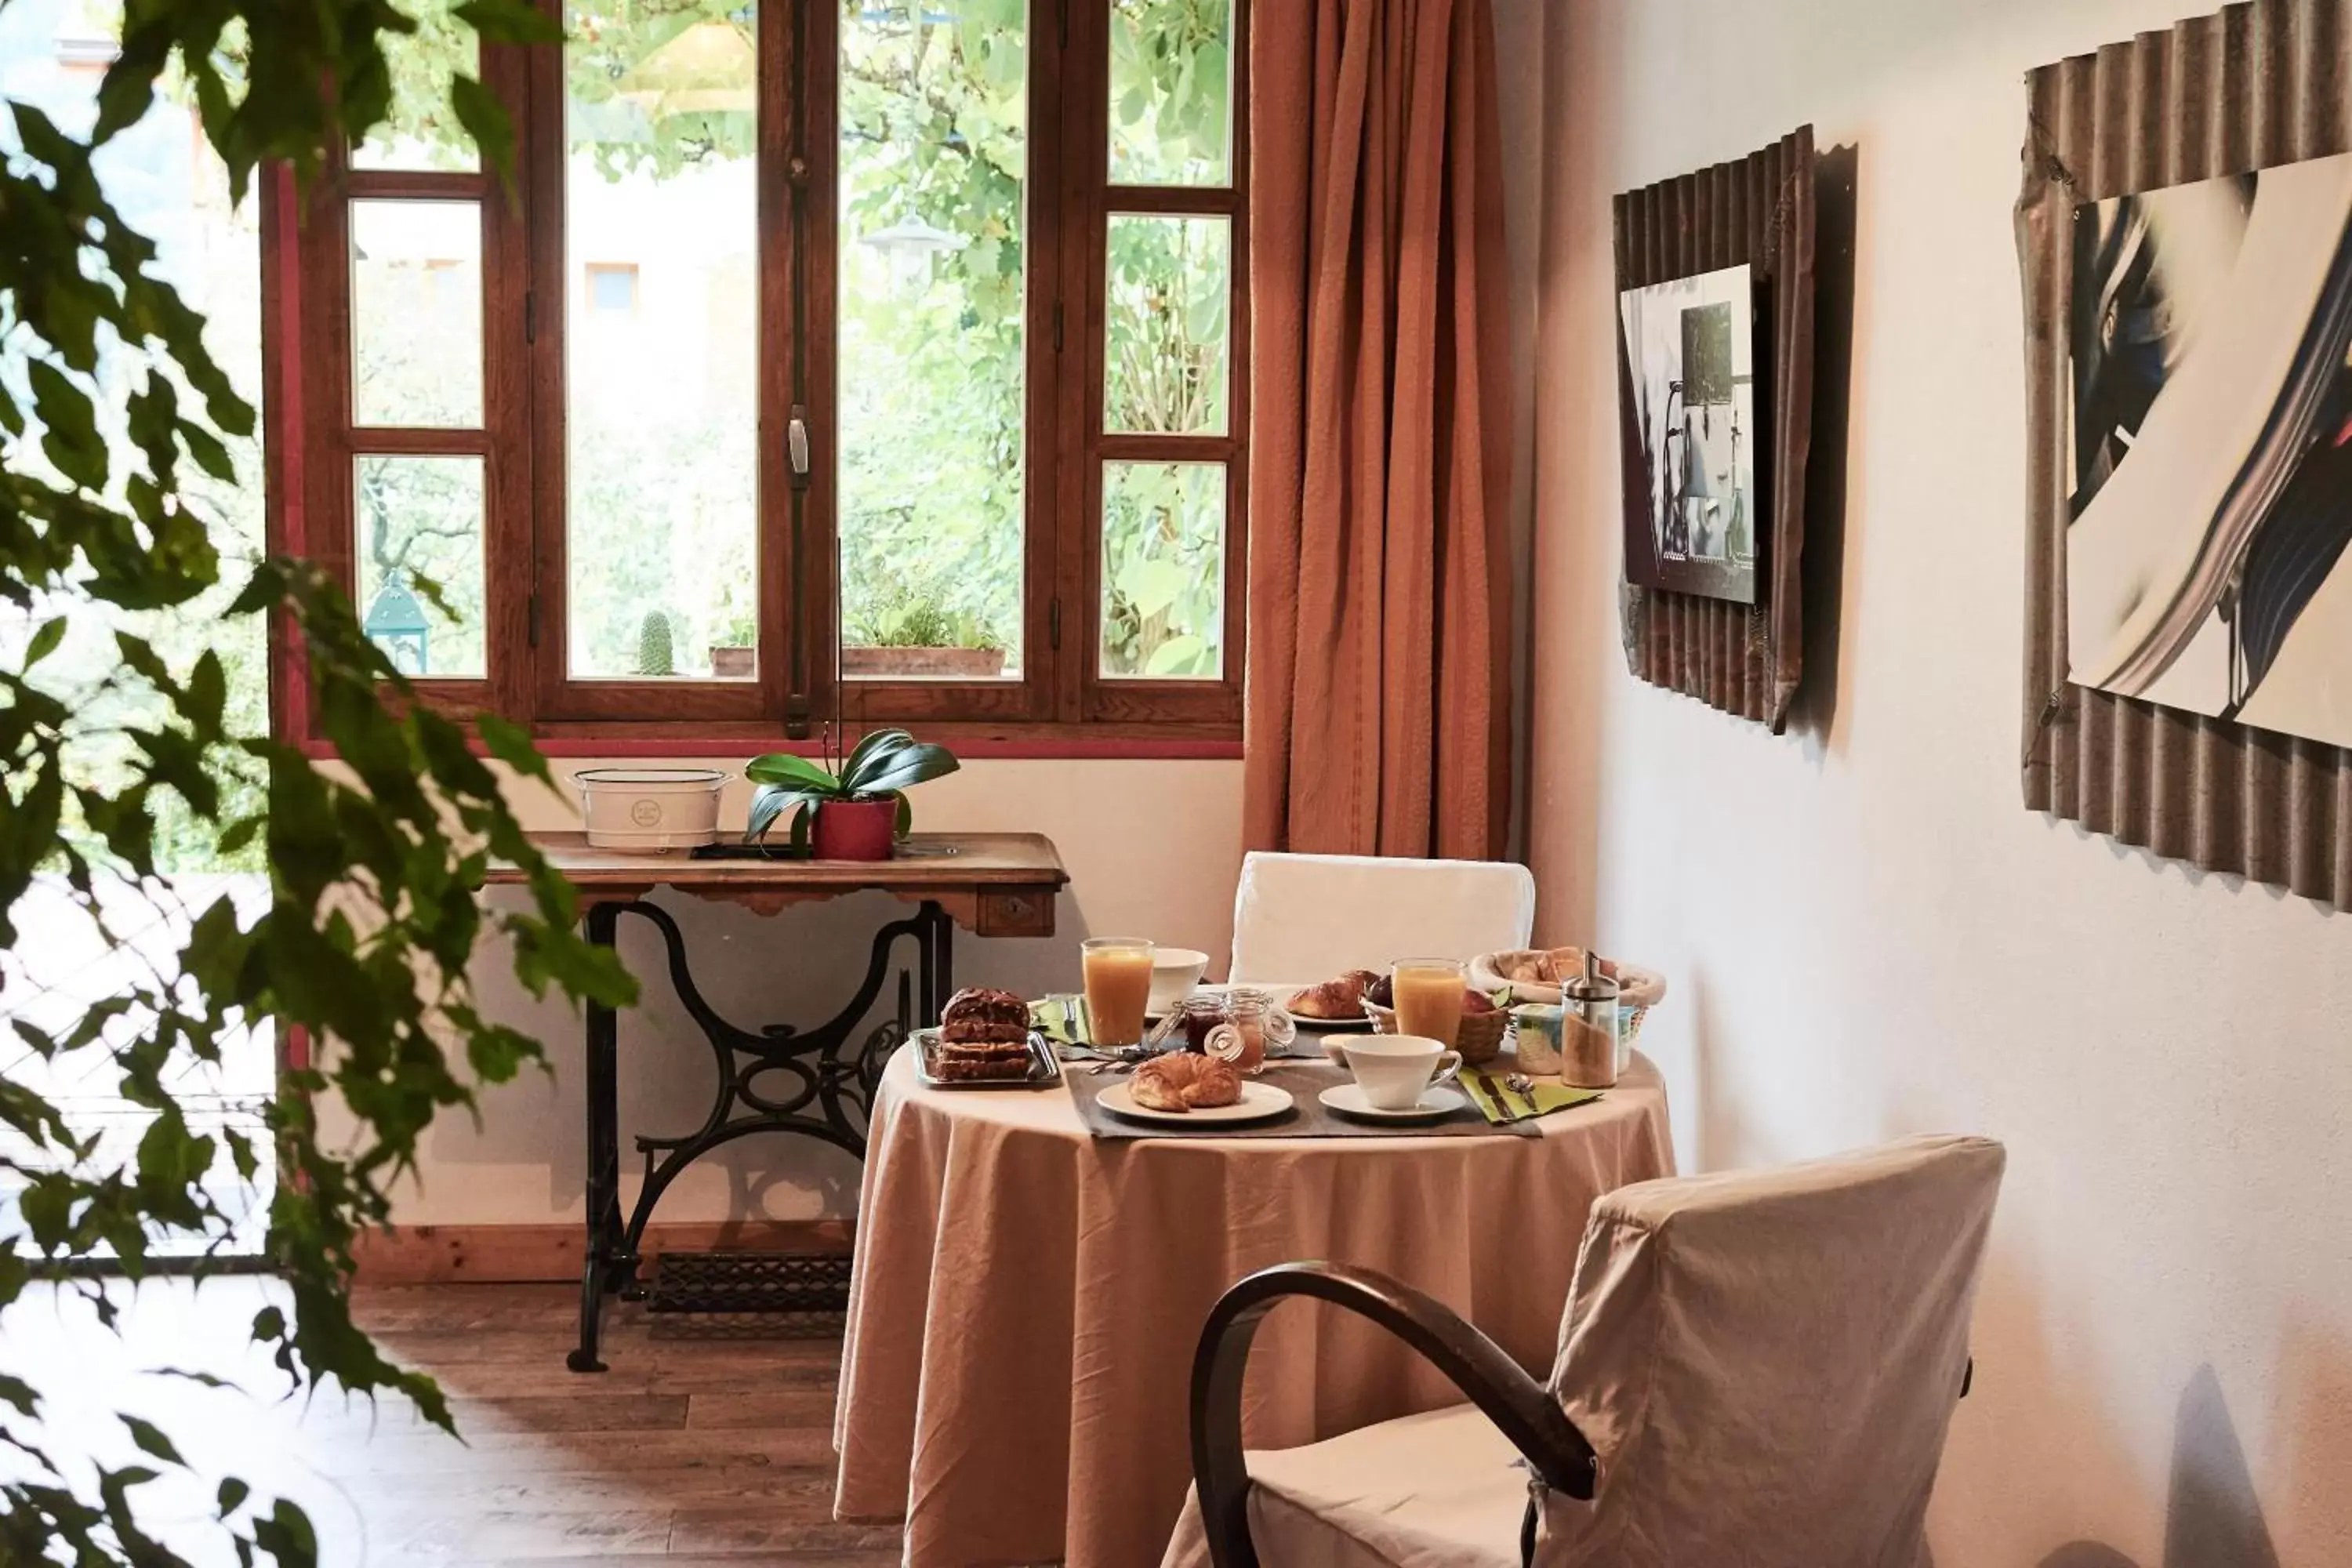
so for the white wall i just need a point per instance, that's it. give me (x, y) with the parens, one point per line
(1865, 931)
(1152, 848)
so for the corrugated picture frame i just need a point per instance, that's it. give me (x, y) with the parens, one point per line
(2253, 87)
(1745, 659)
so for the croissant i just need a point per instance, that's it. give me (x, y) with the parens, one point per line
(1341, 998)
(1181, 1081)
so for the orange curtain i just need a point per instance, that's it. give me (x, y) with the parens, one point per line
(1379, 718)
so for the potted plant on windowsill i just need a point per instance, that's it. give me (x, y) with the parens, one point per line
(857, 814)
(921, 638)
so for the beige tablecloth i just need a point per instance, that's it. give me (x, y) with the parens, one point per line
(1026, 1301)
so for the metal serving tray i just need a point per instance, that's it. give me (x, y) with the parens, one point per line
(1044, 1069)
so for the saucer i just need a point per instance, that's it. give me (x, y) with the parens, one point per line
(1347, 1099)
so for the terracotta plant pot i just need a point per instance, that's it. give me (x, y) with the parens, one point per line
(931, 663)
(733, 661)
(854, 829)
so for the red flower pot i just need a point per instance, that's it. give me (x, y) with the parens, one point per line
(854, 829)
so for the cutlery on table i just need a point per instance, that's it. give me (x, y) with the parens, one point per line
(1485, 1080)
(1524, 1086)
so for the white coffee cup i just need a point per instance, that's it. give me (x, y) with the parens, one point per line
(1395, 1070)
(1175, 971)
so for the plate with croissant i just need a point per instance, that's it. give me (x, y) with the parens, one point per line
(1335, 1004)
(1181, 1086)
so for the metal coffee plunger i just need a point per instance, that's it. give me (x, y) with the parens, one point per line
(1588, 1043)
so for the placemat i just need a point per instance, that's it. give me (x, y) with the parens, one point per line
(1307, 1117)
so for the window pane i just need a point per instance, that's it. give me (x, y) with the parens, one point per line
(420, 132)
(1172, 92)
(416, 313)
(934, 143)
(1170, 285)
(662, 329)
(421, 518)
(1163, 571)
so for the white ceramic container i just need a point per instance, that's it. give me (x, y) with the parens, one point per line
(1175, 971)
(650, 811)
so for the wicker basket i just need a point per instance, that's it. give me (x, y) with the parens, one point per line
(1479, 1039)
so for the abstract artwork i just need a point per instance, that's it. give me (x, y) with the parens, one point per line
(1690, 350)
(2211, 484)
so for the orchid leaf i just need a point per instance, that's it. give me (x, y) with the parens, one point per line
(783, 768)
(904, 767)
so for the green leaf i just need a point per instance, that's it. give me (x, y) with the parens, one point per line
(772, 800)
(511, 744)
(875, 744)
(906, 766)
(1181, 655)
(484, 119)
(783, 768)
(70, 439)
(45, 641)
(152, 1440)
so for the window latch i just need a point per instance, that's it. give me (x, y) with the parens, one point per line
(796, 446)
(1053, 624)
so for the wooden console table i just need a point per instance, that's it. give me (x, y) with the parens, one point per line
(992, 884)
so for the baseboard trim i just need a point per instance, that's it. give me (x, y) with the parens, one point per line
(551, 1253)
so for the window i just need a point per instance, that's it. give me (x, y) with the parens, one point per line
(905, 382)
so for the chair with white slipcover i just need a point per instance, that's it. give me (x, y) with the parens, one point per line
(1755, 1367)
(1299, 919)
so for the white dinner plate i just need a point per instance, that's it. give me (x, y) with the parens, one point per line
(1347, 1099)
(1258, 1101)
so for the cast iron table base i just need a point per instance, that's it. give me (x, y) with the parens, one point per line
(828, 1080)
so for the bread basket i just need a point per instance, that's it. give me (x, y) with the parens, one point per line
(1479, 1039)
(1519, 973)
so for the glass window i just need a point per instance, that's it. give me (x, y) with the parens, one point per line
(1170, 285)
(420, 536)
(612, 288)
(662, 416)
(932, 337)
(1170, 93)
(420, 132)
(416, 314)
(1163, 571)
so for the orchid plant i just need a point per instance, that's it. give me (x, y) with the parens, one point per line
(884, 765)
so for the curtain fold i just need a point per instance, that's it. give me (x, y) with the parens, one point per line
(1378, 680)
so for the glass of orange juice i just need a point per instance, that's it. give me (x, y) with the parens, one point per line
(1428, 997)
(1118, 987)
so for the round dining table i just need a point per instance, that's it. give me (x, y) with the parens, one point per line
(1025, 1299)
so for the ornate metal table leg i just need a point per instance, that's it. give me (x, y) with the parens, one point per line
(603, 1154)
(827, 1095)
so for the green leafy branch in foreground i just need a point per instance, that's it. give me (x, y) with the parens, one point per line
(108, 399)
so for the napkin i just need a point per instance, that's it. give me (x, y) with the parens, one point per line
(1547, 1095)
(1061, 1019)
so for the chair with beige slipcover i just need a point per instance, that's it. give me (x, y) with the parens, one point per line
(1754, 1368)
(1299, 919)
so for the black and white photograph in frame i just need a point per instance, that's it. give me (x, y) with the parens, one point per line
(2211, 476)
(1690, 352)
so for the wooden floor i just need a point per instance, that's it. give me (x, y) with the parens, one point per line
(690, 1453)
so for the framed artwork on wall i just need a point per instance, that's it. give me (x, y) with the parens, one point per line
(2208, 333)
(1690, 344)
(2186, 255)
(1715, 377)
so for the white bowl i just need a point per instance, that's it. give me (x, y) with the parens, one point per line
(650, 811)
(1174, 971)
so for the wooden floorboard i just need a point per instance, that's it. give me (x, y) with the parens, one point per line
(686, 1454)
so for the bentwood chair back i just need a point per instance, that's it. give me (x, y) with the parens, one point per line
(1755, 1368)
(1300, 918)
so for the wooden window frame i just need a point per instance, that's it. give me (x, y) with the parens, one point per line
(1061, 696)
